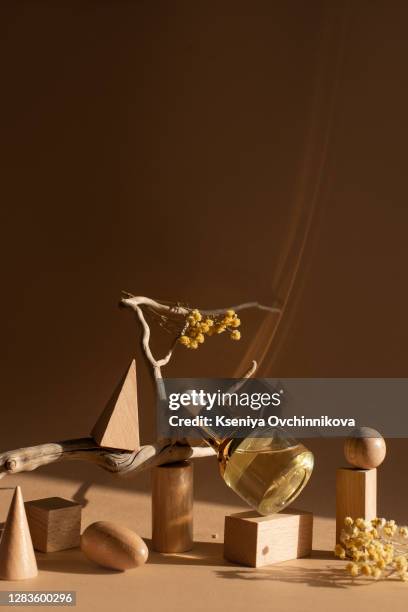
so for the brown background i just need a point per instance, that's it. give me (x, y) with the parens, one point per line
(169, 148)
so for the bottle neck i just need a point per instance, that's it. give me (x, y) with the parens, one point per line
(221, 448)
(212, 440)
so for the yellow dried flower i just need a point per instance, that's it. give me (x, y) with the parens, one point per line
(401, 562)
(197, 327)
(359, 542)
(353, 569)
(366, 569)
(390, 528)
(362, 524)
(376, 548)
(357, 555)
(339, 551)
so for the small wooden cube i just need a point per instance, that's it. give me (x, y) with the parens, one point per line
(254, 540)
(55, 523)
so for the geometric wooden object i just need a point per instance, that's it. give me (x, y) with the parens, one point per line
(366, 450)
(17, 558)
(118, 425)
(55, 523)
(254, 540)
(114, 546)
(172, 507)
(356, 495)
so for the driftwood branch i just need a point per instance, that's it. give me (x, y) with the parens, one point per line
(85, 449)
(117, 461)
(136, 304)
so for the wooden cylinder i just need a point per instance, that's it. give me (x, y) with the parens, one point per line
(172, 507)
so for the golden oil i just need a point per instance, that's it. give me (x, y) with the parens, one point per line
(267, 472)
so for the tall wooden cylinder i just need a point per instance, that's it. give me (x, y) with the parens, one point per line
(172, 507)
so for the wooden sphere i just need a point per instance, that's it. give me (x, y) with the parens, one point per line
(114, 546)
(365, 449)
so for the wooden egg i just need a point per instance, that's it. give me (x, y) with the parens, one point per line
(366, 449)
(114, 546)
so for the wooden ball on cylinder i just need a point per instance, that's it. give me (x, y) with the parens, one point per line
(365, 449)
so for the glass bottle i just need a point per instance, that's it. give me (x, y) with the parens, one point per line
(268, 469)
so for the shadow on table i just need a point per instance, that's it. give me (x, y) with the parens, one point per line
(203, 553)
(322, 554)
(80, 495)
(69, 562)
(212, 553)
(328, 577)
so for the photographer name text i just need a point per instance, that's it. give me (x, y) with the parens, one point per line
(254, 422)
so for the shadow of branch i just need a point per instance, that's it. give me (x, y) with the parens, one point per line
(327, 577)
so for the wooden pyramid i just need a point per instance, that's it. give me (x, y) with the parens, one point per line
(17, 558)
(118, 425)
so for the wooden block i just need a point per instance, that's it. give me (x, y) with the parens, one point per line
(172, 507)
(356, 495)
(55, 523)
(17, 558)
(254, 540)
(118, 425)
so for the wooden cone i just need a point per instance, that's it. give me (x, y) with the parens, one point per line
(17, 558)
(118, 425)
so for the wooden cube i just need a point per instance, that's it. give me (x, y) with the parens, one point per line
(356, 495)
(55, 523)
(254, 540)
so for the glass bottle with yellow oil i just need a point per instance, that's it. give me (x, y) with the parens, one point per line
(267, 469)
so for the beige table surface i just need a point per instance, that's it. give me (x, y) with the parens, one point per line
(198, 580)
